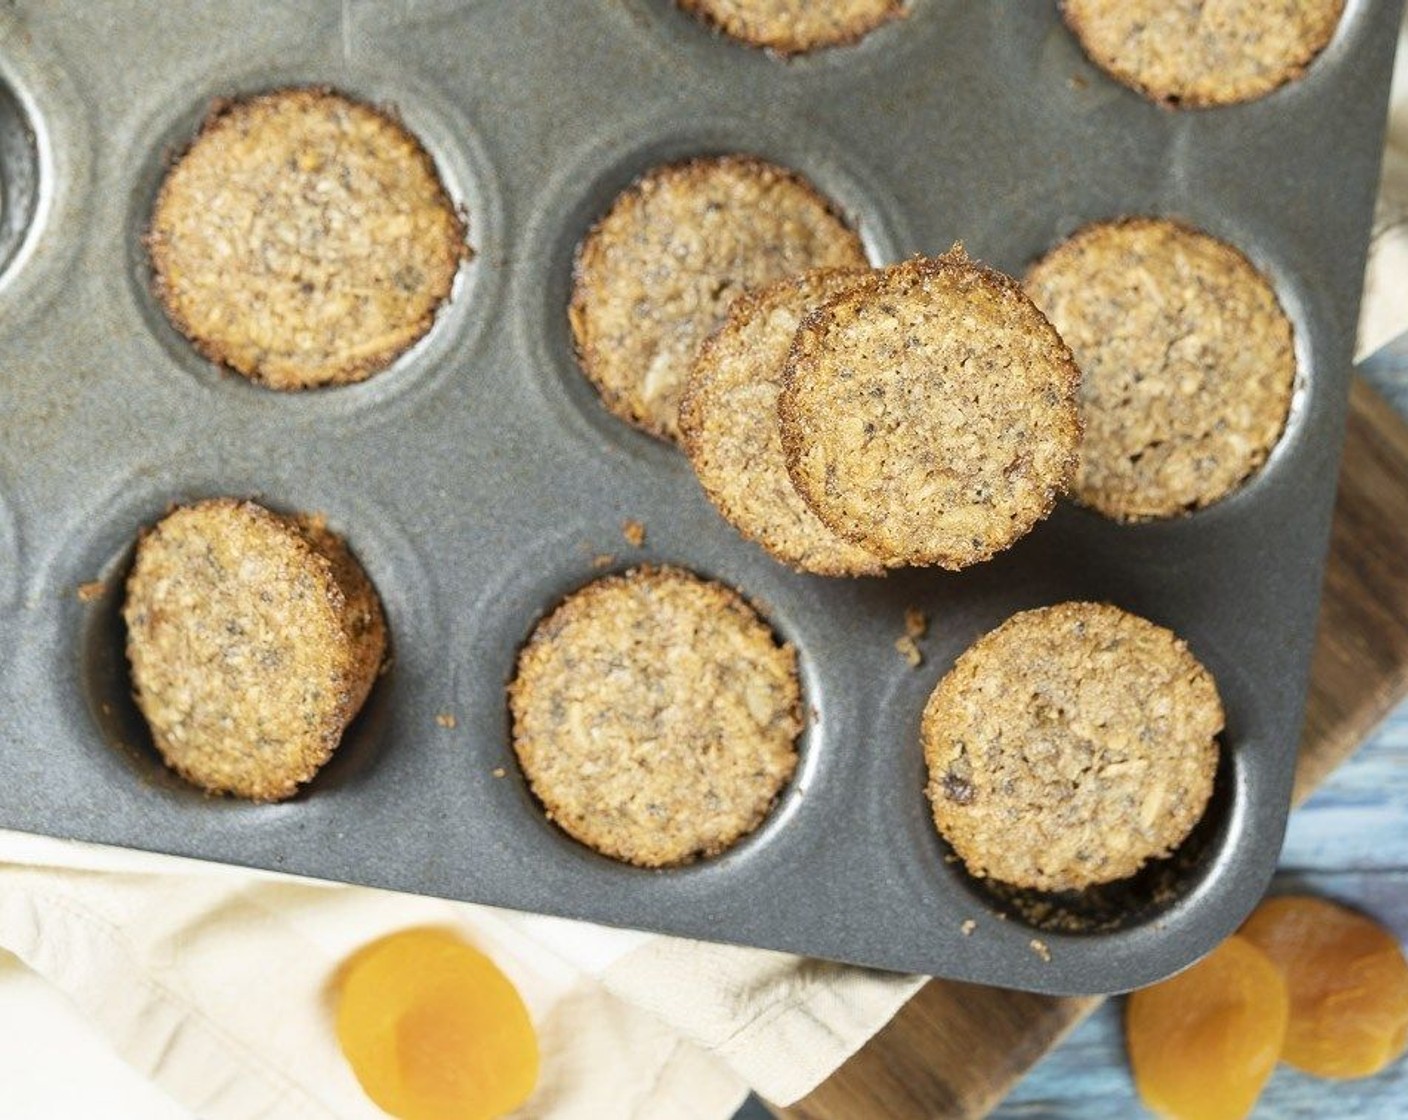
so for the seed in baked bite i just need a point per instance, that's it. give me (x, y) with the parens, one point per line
(790, 27)
(1187, 363)
(657, 274)
(729, 426)
(304, 239)
(254, 639)
(656, 716)
(929, 415)
(1070, 746)
(1195, 53)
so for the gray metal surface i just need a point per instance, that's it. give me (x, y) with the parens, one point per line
(479, 477)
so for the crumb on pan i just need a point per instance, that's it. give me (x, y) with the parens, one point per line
(909, 649)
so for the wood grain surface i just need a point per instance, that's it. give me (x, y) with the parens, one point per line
(957, 1049)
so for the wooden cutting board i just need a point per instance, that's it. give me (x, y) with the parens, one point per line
(956, 1049)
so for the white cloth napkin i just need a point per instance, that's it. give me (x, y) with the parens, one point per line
(216, 983)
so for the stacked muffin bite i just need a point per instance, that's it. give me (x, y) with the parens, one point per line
(929, 415)
(732, 433)
(922, 414)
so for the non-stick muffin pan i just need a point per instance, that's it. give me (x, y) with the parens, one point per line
(479, 479)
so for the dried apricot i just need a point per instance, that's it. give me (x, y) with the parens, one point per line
(1203, 1043)
(1348, 982)
(433, 1030)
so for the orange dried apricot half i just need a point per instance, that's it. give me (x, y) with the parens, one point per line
(1348, 982)
(1203, 1043)
(433, 1030)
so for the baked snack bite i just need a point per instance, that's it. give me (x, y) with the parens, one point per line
(729, 426)
(253, 639)
(1187, 361)
(789, 27)
(303, 239)
(656, 716)
(1070, 746)
(929, 414)
(1193, 53)
(656, 275)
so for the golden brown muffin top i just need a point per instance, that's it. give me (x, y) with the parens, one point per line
(304, 239)
(656, 716)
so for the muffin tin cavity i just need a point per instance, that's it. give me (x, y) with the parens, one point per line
(512, 612)
(1148, 896)
(456, 150)
(1192, 58)
(93, 587)
(1188, 363)
(19, 175)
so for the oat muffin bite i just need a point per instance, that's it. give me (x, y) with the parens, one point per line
(929, 414)
(728, 425)
(656, 716)
(1194, 53)
(303, 239)
(790, 27)
(656, 275)
(1070, 746)
(253, 640)
(1187, 363)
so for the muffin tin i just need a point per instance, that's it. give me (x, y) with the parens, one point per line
(479, 479)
